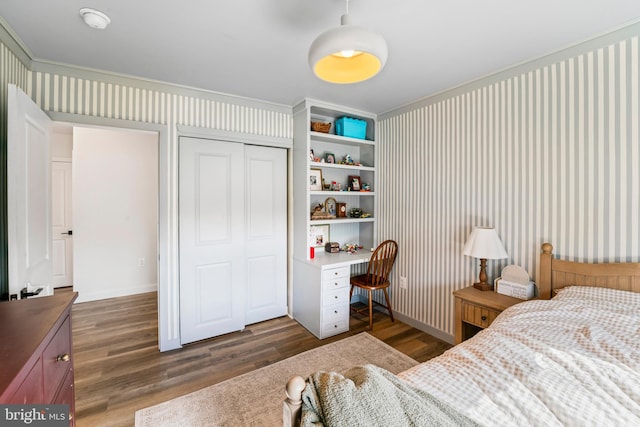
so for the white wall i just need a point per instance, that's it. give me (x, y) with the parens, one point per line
(61, 142)
(115, 210)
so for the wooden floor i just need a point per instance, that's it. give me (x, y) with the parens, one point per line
(118, 368)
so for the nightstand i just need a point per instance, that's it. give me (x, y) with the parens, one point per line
(476, 309)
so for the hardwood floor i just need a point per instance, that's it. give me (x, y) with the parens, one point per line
(118, 368)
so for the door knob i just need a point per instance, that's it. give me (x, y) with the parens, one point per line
(70, 233)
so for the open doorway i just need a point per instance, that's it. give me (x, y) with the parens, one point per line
(108, 245)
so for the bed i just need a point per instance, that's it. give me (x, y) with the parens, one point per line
(570, 357)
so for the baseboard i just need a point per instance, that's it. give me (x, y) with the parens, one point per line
(425, 328)
(411, 322)
(84, 296)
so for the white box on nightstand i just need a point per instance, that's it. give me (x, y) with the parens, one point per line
(517, 290)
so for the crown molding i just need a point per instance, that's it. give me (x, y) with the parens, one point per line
(616, 35)
(15, 43)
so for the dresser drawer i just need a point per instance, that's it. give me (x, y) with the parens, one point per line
(331, 285)
(335, 273)
(339, 297)
(31, 388)
(478, 315)
(56, 360)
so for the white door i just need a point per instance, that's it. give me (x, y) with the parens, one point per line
(28, 194)
(61, 224)
(266, 222)
(212, 249)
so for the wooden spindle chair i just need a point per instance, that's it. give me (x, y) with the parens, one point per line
(377, 277)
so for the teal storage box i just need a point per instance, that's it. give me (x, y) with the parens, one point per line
(353, 128)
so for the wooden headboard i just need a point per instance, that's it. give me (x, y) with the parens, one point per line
(556, 274)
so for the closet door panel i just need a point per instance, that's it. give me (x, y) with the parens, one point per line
(212, 238)
(266, 213)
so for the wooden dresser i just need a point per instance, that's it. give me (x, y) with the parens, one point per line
(36, 351)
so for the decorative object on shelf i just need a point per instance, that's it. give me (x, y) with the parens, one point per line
(355, 213)
(351, 247)
(352, 128)
(366, 187)
(312, 155)
(318, 235)
(354, 183)
(330, 206)
(484, 243)
(341, 210)
(335, 186)
(315, 179)
(348, 53)
(347, 160)
(320, 127)
(329, 158)
(332, 247)
(320, 213)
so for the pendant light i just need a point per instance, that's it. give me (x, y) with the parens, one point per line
(348, 53)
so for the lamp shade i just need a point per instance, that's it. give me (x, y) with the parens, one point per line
(483, 242)
(347, 54)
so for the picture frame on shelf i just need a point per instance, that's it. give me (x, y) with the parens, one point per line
(354, 183)
(319, 235)
(315, 179)
(329, 158)
(331, 206)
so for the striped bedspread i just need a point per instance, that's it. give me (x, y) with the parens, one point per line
(570, 361)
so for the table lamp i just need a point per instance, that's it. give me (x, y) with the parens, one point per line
(484, 243)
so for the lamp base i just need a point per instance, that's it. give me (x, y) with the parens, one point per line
(483, 286)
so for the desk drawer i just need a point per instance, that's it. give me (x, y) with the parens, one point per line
(335, 273)
(334, 328)
(335, 284)
(339, 297)
(335, 314)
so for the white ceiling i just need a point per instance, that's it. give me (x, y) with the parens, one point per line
(258, 48)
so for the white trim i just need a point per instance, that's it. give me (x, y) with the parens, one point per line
(229, 136)
(168, 283)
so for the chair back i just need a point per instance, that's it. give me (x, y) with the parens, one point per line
(381, 262)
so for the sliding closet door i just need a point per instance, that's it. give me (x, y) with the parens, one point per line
(266, 213)
(212, 238)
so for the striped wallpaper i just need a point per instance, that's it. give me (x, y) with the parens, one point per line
(548, 155)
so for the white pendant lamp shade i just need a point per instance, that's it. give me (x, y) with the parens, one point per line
(347, 54)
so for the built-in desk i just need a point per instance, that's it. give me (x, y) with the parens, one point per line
(321, 291)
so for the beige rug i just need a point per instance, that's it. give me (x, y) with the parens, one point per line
(255, 398)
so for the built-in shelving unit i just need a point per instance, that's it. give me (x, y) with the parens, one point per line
(321, 285)
(363, 151)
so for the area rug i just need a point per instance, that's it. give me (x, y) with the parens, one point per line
(255, 398)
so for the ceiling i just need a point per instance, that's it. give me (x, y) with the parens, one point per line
(258, 48)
